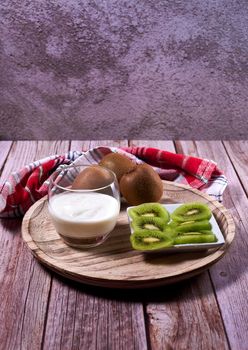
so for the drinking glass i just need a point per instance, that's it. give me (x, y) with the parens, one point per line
(83, 217)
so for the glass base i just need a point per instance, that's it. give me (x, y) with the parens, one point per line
(84, 243)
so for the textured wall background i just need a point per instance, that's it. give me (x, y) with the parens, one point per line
(117, 69)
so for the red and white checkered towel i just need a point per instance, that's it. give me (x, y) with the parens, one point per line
(26, 186)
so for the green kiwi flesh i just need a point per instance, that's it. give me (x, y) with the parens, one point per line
(148, 223)
(190, 227)
(154, 230)
(193, 233)
(191, 212)
(207, 232)
(195, 238)
(149, 210)
(170, 231)
(150, 240)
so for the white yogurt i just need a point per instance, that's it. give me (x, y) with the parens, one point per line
(84, 215)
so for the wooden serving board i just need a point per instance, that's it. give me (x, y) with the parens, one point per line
(115, 263)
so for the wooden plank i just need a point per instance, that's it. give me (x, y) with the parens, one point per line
(187, 316)
(238, 153)
(4, 150)
(230, 275)
(19, 156)
(165, 145)
(46, 148)
(109, 143)
(24, 283)
(77, 145)
(83, 317)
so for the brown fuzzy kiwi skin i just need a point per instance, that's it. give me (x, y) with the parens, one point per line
(118, 163)
(92, 177)
(141, 185)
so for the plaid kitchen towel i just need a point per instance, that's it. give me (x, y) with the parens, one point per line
(26, 186)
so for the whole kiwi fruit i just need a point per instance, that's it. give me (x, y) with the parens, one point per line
(92, 177)
(141, 185)
(118, 163)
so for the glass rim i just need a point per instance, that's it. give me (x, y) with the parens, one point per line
(66, 167)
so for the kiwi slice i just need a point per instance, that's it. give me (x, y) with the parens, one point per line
(195, 233)
(207, 232)
(192, 226)
(194, 237)
(170, 231)
(148, 223)
(154, 210)
(191, 212)
(150, 240)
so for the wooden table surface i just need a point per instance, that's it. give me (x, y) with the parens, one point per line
(41, 310)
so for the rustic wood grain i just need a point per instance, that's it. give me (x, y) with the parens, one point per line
(187, 317)
(77, 145)
(108, 143)
(24, 284)
(4, 150)
(77, 319)
(165, 145)
(230, 276)
(238, 153)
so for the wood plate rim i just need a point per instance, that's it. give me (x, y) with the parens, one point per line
(53, 264)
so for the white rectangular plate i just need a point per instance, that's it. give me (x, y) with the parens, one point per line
(187, 247)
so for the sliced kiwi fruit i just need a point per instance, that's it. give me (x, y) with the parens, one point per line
(192, 226)
(194, 237)
(207, 232)
(150, 240)
(154, 210)
(170, 231)
(193, 233)
(191, 212)
(148, 223)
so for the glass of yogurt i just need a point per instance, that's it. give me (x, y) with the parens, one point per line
(83, 217)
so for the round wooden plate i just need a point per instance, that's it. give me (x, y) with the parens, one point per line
(115, 263)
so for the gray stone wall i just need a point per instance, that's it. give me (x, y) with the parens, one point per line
(115, 69)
